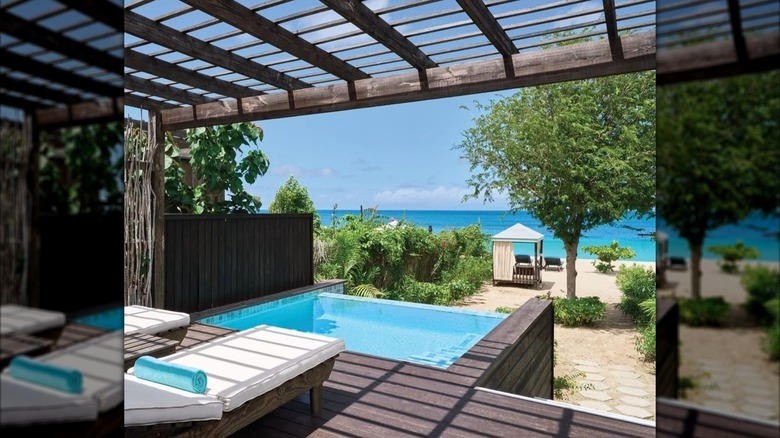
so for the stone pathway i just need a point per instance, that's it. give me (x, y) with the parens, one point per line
(615, 388)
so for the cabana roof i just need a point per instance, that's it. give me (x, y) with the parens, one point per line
(518, 233)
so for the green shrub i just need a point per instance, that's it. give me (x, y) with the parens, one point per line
(732, 254)
(471, 269)
(415, 291)
(645, 343)
(606, 254)
(772, 341)
(636, 284)
(504, 309)
(578, 311)
(459, 289)
(711, 311)
(762, 284)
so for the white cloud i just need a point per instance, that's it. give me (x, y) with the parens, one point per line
(291, 170)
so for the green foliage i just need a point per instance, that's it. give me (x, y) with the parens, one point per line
(505, 309)
(421, 292)
(711, 311)
(772, 341)
(687, 383)
(294, 198)
(578, 311)
(645, 343)
(586, 149)
(606, 254)
(717, 155)
(366, 291)
(567, 383)
(636, 284)
(214, 152)
(762, 284)
(88, 178)
(732, 254)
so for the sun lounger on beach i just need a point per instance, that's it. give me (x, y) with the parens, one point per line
(249, 374)
(677, 263)
(33, 392)
(553, 263)
(160, 322)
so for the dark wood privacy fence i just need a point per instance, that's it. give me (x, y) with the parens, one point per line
(216, 260)
(666, 349)
(81, 261)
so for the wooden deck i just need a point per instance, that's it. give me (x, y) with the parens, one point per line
(368, 397)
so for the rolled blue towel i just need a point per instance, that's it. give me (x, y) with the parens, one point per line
(47, 374)
(171, 374)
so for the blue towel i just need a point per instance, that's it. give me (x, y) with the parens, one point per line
(171, 374)
(46, 374)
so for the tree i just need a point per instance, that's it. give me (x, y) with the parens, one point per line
(294, 198)
(214, 162)
(718, 159)
(606, 254)
(575, 155)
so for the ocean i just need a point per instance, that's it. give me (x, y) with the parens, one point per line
(630, 231)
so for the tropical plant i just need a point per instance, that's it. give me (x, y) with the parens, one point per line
(575, 312)
(637, 285)
(216, 170)
(294, 198)
(575, 155)
(718, 159)
(606, 254)
(645, 343)
(733, 254)
(762, 285)
(710, 311)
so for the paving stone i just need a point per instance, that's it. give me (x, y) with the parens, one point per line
(596, 395)
(756, 391)
(598, 386)
(635, 401)
(588, 369)
(758, 411)
(632, 391)
(625, 375)
(763, 401)
(719, 405)
(622, 368)
(585, 362)
(634, 411)
(595, 377)
(631, 382)
(725, 396)
(595, 404)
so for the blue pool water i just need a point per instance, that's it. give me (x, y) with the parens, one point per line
(430, 335)
(111, 319)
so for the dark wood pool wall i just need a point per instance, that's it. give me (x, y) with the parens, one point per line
(515, 357)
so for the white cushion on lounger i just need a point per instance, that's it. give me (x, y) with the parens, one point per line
(15, 319)
(149, 321)
(23, 403)
(100, 361)
(149, 403)
(249, 363)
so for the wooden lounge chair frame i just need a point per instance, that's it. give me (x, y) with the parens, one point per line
(556, 263)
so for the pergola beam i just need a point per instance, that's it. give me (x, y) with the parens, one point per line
(266, 30)
(610, 19)
(161, 90)
(101, 10)
(146, 103)
(165, 36)
(490, 27)
(366, 20)
(37, 90)
(573, 62)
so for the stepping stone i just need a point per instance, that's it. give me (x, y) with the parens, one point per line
(758, 411)
(598, 386)
(631, 382)
(725, 396)
(585, 362)
(625, 375)
(763, 401)
(593, 404)
(719, 405)
(596, 395)
(634, 411)
(632, 391)
(622, 368)
(755, 391)
(635, 401)
(588, 369)
(594, 377)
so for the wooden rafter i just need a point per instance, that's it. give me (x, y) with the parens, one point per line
(81, 113)
(32, 33)
(366, 20)
(610, 18)
(45, 71)
(146, 103)
(18, 102)
(264, 29)
(165, 36)
(152, 65)
(487, 23)
(736, 30)
(36, 90)
(101, 10)
(581, 61)
(157, 89)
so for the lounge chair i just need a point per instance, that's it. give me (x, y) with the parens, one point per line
(677, 263)
(250, 373)
(16, 319)
(522, 259)
(553, 263)
(159, 322)
(23, 403)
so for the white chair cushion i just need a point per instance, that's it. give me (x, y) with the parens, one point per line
(149, 321)
(149, 403)
(15, 319)
(23, 403)
(249, 363)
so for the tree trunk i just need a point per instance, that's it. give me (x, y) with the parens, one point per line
(695, 269)
(571, 269)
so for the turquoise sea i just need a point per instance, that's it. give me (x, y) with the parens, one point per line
(630, 231)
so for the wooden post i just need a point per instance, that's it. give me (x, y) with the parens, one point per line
(31, 136)
(158, 213)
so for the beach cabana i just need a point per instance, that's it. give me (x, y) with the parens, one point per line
(505, 265)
